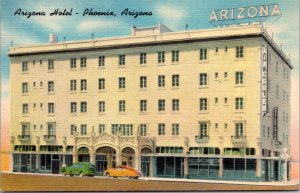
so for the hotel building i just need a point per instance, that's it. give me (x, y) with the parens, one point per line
(205, 104)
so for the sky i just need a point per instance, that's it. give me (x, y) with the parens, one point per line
(173, 13)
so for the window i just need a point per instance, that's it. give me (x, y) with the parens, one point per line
(41, 83)
(121, 60)
(161, 129)
(83, 130)
(239, 77)
(216, 100)
(175, 129)
(175, 56)
(101, 61)
(34, 106)
(203, 54)
(203, 130)
(41, 62)
(143, 58)
(239, 103)
(225, 100)
(175, 105)
(123, 129)
(143, 129)
(122, 83)
(24, 66)
(101, 128)
(143, 81)
(101, 83)
(276, 66)
(122, 106)
(34, 84)
(50, 86)
(143, 105)
(161, 57)
(226, 49)
(73, 129)
(73, 107)
(25, 108)
(50, 108)
(72, 85)
(83, 107)
(277, 91)
(51, 129)
(216, 125)
(25, 129)
(82, 62)
(225, 125)
(239, 51)
(72, 63)
(216, 50)
(83, 84)
(24, 87)
(225, 75)
(203, 79)
(161, 105)
(161, 81)
(203, 104)
(175, 80)
(33, 62)
(50, 64)
(239, 129)
(216, 75)
(283, 95)
(101, 106)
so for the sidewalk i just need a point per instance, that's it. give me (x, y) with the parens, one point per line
(293, 182)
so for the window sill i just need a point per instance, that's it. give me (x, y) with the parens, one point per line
(143, 65)
(203, 61)
(51, 71)
(176, 63)
(203, 112)
(73, 92)
(122, 89)
(101, 91)
(73, 69)
(83, 91)
(239, 59)
(101, 67)
(25, 72)
(82, 68)
(25, 115)
(101, 113)
(122, 113)
(83, 113)
(51, 93)
(25, 94)
(175, 87)
(176, 112)
(161, 112)
(239, 111)
(51, 115)
(161, 64)
(122, 66)
(143, 113)
(73, 114)
(143, 89)
(202, 87)
(161, 88)
(239, 85)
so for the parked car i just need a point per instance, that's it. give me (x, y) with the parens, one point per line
(122, 171)
(80, 169)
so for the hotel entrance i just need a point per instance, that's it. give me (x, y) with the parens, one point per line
(105, 159)
(128, 157)
(83, 154)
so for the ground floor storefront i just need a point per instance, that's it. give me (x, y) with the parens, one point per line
(163, 166)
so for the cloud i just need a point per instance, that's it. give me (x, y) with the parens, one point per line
(91, 25)
(171, 16)
(170, 13)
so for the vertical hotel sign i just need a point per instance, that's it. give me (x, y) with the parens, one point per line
(264, 80)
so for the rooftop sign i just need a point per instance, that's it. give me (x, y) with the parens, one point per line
(240, 13)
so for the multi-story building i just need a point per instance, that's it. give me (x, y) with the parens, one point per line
(192, 104)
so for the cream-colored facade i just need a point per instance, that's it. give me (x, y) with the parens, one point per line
(211, 96)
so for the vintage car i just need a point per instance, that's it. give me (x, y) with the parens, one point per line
(122, 171)
(80, 169)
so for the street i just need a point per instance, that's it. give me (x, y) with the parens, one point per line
(31, 182)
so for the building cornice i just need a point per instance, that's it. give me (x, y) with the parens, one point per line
(150, 40)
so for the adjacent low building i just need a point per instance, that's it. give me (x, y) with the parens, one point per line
(207, 104)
